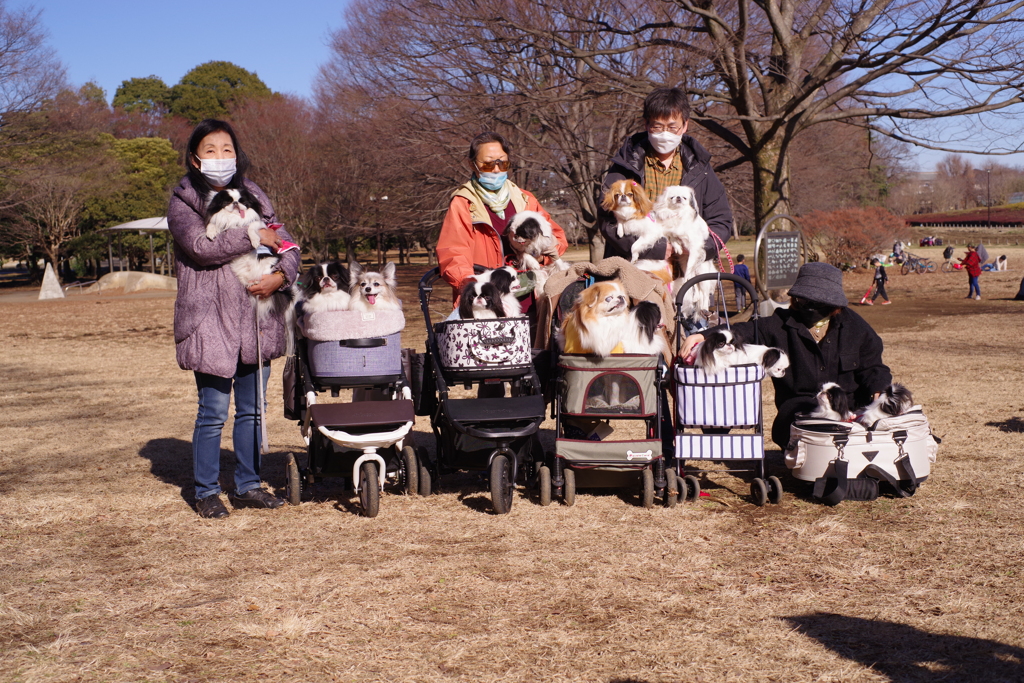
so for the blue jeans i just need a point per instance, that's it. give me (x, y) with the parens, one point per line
(214, 401)
(975, 288)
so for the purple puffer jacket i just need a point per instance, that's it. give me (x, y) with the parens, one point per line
(214, 321)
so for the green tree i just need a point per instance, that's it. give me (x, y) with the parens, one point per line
(208, 90)
(144, 95)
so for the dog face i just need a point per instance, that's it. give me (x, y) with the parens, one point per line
(325, 278)
(480, 300)
(526, 227)
(832, 402)
(230, 209)
(601, 300)
(677, 200)
(716, 348)
(369, 285)
(625, 196)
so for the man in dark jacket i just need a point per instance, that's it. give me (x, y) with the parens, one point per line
(661, 156)
(825, 342)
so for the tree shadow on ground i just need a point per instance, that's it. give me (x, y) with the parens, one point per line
(906, 654)
(1013, 424)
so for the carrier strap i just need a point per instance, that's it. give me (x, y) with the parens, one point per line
(367, 343)
(832, 490)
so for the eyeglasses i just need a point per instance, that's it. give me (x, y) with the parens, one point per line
(658, 128)
(489, 166)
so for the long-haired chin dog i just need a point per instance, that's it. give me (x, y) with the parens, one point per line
(238, 209)
(596, 323)
(324, 287)
(531, 237)
(505, 281)
(722, 349)
(833, 404)
(678, 218)
(373, 291)
(480, 301)
(631, 207)
(895, 400)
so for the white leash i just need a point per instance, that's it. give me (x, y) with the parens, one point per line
(264, 445)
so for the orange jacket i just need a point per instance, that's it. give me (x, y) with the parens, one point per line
(467, 237)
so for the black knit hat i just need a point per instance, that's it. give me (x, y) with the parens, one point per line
(821, 283)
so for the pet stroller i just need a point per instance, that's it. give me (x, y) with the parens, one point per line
(847, 461)
(591, 395)
(362, 440)
(719, 418)
(496, 435)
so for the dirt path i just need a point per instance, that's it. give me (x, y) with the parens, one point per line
(107, 574)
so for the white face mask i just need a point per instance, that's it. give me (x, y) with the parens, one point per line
(218, 172)
(664, 142)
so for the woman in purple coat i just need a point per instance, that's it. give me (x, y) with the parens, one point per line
(214, 320)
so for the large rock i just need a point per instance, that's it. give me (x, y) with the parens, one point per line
(133, 281)
(51, 286)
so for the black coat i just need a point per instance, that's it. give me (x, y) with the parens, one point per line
(628, 164)
(850, 355)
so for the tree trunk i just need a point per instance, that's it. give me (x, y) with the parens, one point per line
(771, 183)
(596, 244)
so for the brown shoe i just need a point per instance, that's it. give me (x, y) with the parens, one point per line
(211, 507)
(256, 498)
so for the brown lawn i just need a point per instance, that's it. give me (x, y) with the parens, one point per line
(107, 574)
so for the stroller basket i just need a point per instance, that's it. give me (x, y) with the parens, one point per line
(732, 398)
(469, 349)
(354, 345)
(627, 455)
(615, 386)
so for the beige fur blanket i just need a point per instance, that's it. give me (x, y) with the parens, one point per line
(639, 285)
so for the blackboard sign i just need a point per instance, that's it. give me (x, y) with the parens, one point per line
(782, 259)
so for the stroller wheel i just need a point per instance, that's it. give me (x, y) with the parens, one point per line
(369, 489)
(690, 488)
(759, 491)
(425, 482)
(501, 485)
(647, 487)
(293, 485)
(774, 490)
(569, 489)
(411, 471)
(672, 488)
(544, 484)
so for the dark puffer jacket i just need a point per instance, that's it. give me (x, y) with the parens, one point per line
(850, 355)
(628, 164)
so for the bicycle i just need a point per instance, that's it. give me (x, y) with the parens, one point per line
(916, 264)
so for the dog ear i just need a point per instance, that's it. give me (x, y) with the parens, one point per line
(691, 197)
(355, 270)
(389, 273)
(608, 203)
(641, 201)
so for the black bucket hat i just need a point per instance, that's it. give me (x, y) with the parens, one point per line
(821, 283)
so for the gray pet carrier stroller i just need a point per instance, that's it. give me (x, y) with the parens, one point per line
(718, 418)
(497, 435)
(362, 441)
(592, 398)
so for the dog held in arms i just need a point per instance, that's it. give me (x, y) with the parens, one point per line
(631, 207)
(678, 219)
(238, 209)
(531, 238)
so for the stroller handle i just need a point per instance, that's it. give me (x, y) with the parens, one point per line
(718, 277)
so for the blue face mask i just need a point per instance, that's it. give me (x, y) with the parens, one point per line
(492, 181)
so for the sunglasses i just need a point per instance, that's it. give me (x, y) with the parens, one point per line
(496, 164)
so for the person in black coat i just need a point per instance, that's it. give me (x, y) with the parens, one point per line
(825, 342)
(683, 160)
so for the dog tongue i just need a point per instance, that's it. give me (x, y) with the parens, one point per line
(372, 298)
(241, 212)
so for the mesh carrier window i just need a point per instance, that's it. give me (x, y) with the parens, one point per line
(613, 392)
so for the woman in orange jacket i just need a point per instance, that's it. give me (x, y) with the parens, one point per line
(473, 232)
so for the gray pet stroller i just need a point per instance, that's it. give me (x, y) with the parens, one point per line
(593, 396)
(719, 418)
(362, 441)
(497, 435)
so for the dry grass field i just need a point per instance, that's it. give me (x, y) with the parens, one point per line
(107, 574)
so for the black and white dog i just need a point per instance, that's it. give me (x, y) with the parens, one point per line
(895, 400)
(505, 281)
(722, 349)
(833, 404)
(480, 301)
(325, 288)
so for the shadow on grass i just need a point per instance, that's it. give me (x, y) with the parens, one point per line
(904, 653)
(1013, 424)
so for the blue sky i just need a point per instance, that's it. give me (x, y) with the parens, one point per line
(109, 41)
(284, 42)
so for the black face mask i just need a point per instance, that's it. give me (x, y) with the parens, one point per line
(809, 312)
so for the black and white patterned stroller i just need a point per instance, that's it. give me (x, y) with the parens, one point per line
(719, 418)
(497, 434)
(362, 441)
(593, 397)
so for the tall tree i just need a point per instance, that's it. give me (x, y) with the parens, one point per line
(145, 95)
(209, 90)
